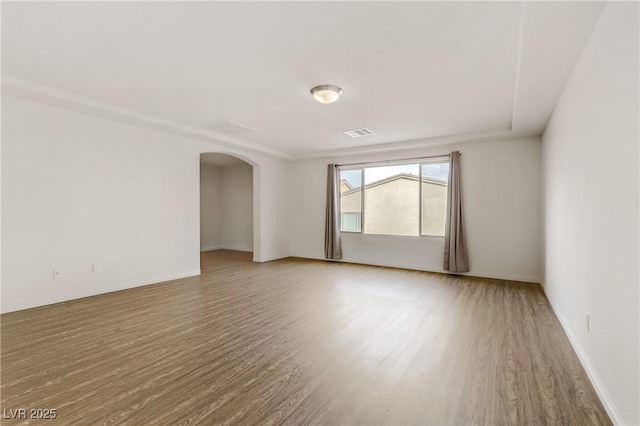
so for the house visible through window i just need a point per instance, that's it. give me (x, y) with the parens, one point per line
(351, 200)
(400, 199)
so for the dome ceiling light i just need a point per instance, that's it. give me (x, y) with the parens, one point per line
(326, 93)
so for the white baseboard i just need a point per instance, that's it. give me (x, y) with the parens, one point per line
(608, 404)
(226, 247)
(164, 278)
(236, 248)
(82, 294)
(507, 277)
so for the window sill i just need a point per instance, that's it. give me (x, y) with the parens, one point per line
(440, 237)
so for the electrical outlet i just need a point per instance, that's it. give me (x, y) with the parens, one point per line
(57, 274)
(588, 324)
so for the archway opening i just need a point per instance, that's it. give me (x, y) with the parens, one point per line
(227, 202)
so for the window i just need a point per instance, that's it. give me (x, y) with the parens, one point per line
(351, 200)
(391, 200)
(435, 177)
(400, 199)
(351, 221)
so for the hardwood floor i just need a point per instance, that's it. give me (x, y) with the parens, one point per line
(298, 342)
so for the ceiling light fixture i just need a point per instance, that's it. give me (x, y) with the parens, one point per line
(326, 93)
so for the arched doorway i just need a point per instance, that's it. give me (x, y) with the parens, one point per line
(227, 204)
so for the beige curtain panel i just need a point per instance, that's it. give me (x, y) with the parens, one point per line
(456, 258)
(332, 243)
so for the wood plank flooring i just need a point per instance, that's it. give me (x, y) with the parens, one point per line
(298, 342)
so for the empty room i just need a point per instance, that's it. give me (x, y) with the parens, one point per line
(328, 213)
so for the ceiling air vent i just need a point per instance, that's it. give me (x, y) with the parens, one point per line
(358, 133)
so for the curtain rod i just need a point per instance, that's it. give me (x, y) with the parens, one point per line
(393, 161)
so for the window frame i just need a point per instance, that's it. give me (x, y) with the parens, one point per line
(420, 162)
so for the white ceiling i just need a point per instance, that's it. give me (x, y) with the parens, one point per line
(410, 70)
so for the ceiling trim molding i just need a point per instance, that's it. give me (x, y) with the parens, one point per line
(30, 91)
(418, 143)
(27, 90)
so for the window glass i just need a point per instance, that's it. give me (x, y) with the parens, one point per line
(351, 200)
(391, 200)
(399, 199)
(434, 197)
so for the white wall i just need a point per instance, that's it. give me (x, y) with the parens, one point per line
(210, 207)
(78, 189)
(591, 214)
(237, 207)
(274, 210)
(501, 184)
